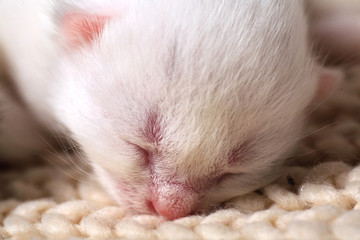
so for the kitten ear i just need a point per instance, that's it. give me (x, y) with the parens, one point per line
(79, 29)
(329, 81)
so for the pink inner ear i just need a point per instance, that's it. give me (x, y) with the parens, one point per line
(329, 80)
(80, 28)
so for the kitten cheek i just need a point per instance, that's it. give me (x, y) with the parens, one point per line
(126, 192)
(131, 172)
(121, 161)
(230, 186)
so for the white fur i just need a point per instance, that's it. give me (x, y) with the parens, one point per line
(217, 74)
(26, 34)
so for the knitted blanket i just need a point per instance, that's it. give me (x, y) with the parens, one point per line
(317, 197)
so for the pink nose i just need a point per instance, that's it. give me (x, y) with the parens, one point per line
(174, 200)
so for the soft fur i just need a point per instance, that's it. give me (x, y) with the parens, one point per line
(179, 104)
(208, 85)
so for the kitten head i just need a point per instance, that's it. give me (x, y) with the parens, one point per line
(184, 105)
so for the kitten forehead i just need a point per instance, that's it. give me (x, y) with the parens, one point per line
(206, 56)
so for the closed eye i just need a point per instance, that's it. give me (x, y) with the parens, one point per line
(223, 177)
(145, 154)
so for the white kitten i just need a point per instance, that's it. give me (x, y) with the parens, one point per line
(178, 105)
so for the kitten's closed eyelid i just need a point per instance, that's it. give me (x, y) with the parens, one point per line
(227, 176)
(146, 154)
(222, 177)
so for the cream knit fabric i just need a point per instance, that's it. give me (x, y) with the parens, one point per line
(317, 197)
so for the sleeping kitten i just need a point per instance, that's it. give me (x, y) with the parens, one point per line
(178, 105)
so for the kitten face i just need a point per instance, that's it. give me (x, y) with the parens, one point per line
(178, 110)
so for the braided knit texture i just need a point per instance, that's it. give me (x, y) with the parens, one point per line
(317, 197)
